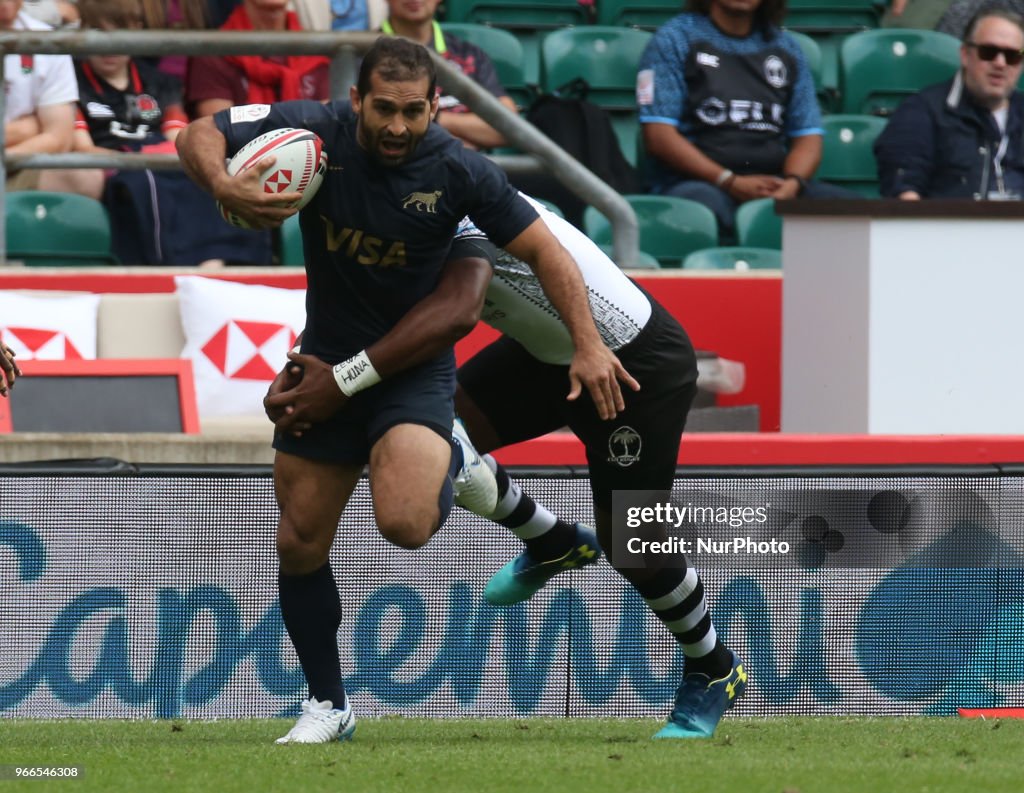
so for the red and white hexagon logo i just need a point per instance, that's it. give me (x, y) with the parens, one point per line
(278, 181)
(246, 350)
(40, 344)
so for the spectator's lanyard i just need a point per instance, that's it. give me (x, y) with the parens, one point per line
(439, 46)
(997, 163)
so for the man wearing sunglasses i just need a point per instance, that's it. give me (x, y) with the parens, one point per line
(963, 138)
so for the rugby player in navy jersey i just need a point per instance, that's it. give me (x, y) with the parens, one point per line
(376, 236)
(514, 390)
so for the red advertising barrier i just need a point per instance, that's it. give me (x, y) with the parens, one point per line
(738, 316)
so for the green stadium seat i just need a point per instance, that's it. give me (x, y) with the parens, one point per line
(670, 228)
(643, 14)
(292, 254)
(507, 53)
(528, 19)
(57, 230)
(606, 57)
(829, 44)
(734, 258)
(644, 260)
(832, 16)
(847, 157)
(879, 68)
(757, 225)
(517, 14)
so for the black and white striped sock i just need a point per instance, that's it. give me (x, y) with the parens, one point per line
(546, 536)
(676, 596)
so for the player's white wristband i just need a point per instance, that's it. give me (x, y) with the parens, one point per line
(355, 374)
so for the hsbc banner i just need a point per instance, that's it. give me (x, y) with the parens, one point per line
(237, 337)
(154, 596)
(49, 328)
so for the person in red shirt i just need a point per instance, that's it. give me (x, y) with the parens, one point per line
(216, 83)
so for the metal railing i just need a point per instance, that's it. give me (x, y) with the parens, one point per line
(343, 48)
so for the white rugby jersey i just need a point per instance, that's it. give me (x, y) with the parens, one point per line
(517, 306)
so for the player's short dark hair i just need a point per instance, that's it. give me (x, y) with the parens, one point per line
(397, 60)
(768, 15)
(992, 9)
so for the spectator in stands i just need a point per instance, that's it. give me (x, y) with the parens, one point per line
(727, 108)
(157, 217)
(340, 14)
(963, 138)
(414, 19)
(216, 83)
(961, 13)
(174, 15)
(125, 104)
(40, 110)
(55, 13)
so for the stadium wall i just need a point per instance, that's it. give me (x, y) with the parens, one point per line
(149, 591)
(738, 316)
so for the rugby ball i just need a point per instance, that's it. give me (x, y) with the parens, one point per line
(301, 163)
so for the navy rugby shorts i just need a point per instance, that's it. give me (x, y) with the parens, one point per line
(421, 395)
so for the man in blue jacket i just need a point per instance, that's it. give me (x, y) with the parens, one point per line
(963, 138)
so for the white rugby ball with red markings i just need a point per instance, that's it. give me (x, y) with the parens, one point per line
(301, 163)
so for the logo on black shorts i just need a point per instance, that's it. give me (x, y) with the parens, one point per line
(624, 446)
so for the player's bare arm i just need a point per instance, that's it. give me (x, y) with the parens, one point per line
(433, 325)
(11, 372)
(203, 150)
(593, 366)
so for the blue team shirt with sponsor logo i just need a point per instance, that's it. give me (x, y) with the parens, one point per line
(739, 100)
(375, 238)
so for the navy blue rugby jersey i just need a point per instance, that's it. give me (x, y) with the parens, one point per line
(375, 237)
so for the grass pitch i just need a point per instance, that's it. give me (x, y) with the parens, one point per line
(784, 755)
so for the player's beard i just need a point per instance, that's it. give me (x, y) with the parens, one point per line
(377, 150)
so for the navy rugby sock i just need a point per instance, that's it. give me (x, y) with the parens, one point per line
(676, 596)
(546, 536)
(311, 610)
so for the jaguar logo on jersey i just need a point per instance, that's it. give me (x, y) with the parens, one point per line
(775, 71)
(624, 446)
(422, 202)
(246, 350)
(363, 248)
